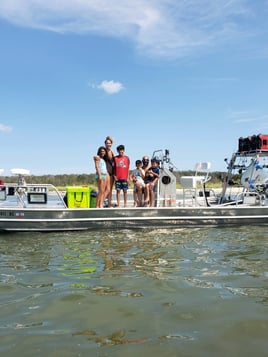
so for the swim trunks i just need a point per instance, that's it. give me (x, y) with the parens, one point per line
(121, 185)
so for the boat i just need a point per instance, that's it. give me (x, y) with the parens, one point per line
(242, 200)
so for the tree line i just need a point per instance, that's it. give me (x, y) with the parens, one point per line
(60, 180)
(63, 180)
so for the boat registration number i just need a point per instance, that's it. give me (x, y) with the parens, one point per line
(7, 214)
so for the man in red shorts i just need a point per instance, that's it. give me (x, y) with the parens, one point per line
(121, 166)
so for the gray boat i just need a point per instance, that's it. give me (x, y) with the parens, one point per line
(28, 207)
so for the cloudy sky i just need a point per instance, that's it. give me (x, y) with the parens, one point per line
(185, 75)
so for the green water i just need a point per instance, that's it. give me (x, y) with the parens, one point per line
(191, 292)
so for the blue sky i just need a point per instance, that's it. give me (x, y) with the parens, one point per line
(185, 75)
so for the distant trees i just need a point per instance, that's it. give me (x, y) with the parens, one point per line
(89, 179)
(58, 180)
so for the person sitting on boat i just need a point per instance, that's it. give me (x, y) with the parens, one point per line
(145, 192)
(138, 180)
(151, 179)
(145, 163)
(101, 175)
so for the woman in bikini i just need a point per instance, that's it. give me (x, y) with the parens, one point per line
(101, 175)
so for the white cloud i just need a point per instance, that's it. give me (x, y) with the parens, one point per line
(111, 87)
(5, 128)
(247, 116)
(169, 28)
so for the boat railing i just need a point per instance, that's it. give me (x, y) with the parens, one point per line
(33, 194)
(241, 195)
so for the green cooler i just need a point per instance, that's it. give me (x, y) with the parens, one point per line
(78, 197)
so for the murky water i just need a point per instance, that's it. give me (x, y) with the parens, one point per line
(192, 292)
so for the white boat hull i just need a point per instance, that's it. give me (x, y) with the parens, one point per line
(12, 220)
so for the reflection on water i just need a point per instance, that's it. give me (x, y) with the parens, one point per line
(188, 292)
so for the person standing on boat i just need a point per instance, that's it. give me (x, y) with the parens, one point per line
(101, 175)
(110, 167)
(122, 164)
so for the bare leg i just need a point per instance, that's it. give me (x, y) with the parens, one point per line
(146, 195)
(125, 198)
(118, 198)
(135, 197)
(151, 195)
(139, 196)
(110, 192)
(101, 192)
(107, 190)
